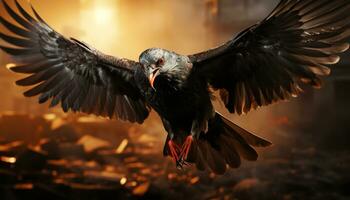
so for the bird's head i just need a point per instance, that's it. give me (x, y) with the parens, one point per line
(164, 66)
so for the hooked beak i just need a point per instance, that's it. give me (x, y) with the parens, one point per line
(153, 75)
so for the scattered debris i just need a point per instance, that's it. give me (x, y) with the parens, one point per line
(66, 164)
(122, 146)
(141, 189)
(91, 143)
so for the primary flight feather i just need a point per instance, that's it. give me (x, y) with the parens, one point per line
(266, 63)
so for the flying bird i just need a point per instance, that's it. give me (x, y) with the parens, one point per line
(268, 62)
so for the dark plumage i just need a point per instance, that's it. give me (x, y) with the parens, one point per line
(265, 63)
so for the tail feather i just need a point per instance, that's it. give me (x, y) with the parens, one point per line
(215, 161)
(225, 144)
(240, 145)
(199, 159)
(204, 155)
(244, 150)
(230, 154)
(250, 138)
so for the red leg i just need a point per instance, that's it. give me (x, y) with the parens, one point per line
(186, 147)
(174, 150)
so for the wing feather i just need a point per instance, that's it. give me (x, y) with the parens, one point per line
(70, 72)
(266, 63)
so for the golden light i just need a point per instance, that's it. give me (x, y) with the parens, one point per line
(8, 159)
(99, 23)
(141, 189)
(123, 180)
(10, 65)
(103, 15)
(90, 119)
(122, 146)
(50, 117)
(58, 122)
(24, 186)
(194, 180)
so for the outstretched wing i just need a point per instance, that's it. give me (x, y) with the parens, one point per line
(70, 72)
(266, 62)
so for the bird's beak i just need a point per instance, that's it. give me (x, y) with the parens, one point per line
(152, 76)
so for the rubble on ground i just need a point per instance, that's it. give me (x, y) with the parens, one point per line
(66, 164)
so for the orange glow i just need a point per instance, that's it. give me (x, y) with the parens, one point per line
(282, 121)
(141, 189)
(122, 146)
(123, 181)
(99, 24)
(57, 123)
(103, 15)
(90, 119)
(50, 117)
(24, 186)
(10, 65)
(194, 180)
(8, 159)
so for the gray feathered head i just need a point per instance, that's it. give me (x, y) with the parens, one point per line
(165, 67)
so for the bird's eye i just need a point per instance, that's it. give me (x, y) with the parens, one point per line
(160, 62)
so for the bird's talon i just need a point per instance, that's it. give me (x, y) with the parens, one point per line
(186, 148)
(174, 151)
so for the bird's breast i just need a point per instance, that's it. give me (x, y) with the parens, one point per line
(180, 103)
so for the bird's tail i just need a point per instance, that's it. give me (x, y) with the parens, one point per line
(224, 145)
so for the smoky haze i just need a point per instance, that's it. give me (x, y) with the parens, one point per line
(309, 158)
(125, 28)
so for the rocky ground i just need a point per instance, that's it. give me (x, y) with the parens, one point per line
(67, 165)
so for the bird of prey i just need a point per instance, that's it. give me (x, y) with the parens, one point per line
(268, 62)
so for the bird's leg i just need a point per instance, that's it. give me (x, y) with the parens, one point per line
(173, 147)
(186, 146)
(174, 150)
(197, 128)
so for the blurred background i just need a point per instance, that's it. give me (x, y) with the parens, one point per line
(47, 153)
